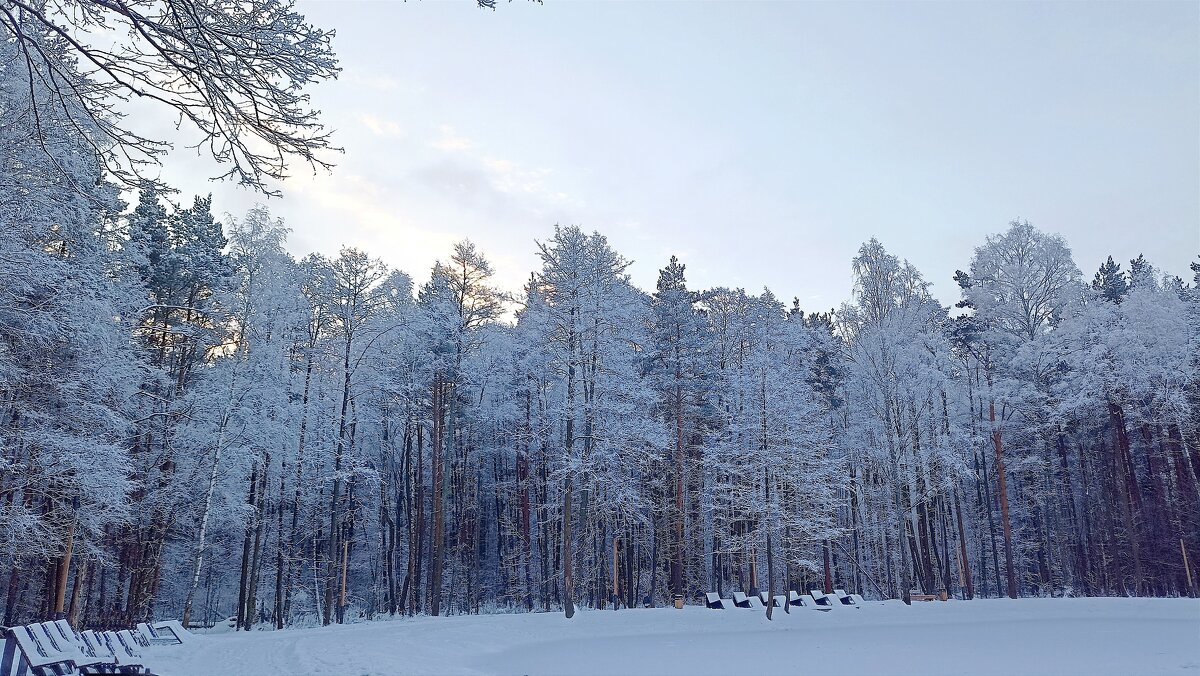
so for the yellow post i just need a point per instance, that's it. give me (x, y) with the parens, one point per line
(345, 561)
(60, 592)
(616, 590)
(1187, 570)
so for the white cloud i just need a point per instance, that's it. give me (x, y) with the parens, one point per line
(499, 187)
(450, 141)
(381, 127)
(509, 177)
(356, 211)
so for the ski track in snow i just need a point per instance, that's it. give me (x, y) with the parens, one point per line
(1096, 637)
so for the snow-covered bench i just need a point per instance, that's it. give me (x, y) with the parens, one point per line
(821, 599)
(762, 598)
(123, 644)
(174, 627)
(64, 637)
(808, 601)
(13, 661)
(713, 600)
(29, 651)
(54, 649)
(97, 656)
(844, 598)
(741, 600)
(98, 647)
(96, 642)
(793, 598)
(128, 658)
(154, 637)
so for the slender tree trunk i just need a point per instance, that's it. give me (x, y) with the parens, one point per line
(828, 587)
(965, 561)
(243, 621)
(417, 548)
(523, 482)
(80, 592)
(256, 559)
(1002, 490)
(769, 527)
(64, 568)
(569, 443)
(279, 546)
(201, 542)
(677, 549)
(436, 554)
(568, 604)
(293, 554)
(1130, 502)
(335, 503)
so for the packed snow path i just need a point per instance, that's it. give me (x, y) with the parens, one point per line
(1028, 636)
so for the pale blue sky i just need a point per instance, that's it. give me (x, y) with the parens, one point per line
(760, 142)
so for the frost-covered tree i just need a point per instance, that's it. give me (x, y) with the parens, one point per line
(1020, 284)
(67, 366)
(235, 73)
(1110, 281)
(896, 395)
(678, 366)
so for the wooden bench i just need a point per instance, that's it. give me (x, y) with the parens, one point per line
(741, 600)
(713, 600)
(172, 627)
(28, 649)
(821, 598)
(808, 601)
(155, 637)
(845, 598)
(762, 598)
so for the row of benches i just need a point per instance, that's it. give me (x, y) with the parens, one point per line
(56, 649)
(814, 599)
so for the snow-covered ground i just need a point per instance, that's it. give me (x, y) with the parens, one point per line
(1028, 636)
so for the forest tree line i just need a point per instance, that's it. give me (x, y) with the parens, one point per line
(194, 423)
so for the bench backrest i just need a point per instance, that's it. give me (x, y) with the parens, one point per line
(65, 642)
(811, 602)
(37, 648)
(739, 597)
(125, 637)
(109, 638)
(793, 597)
(156, 635)
(820, 597)
(12, 658)
(122, 653)
(64, 629)
(711, 597)
(762, 598)
(97, 645)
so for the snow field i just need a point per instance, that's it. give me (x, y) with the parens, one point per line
(1028, 636)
